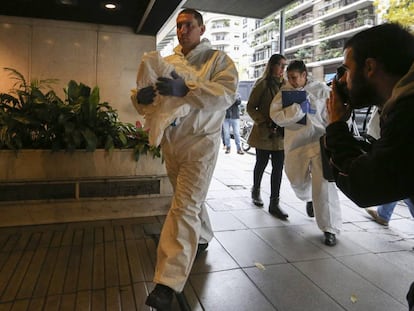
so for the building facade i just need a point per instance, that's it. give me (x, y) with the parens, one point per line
(311, 30)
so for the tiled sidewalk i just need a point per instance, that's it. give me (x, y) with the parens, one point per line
(258, 262)
(255, 261)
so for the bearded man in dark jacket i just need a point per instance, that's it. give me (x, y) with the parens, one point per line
(378, 70)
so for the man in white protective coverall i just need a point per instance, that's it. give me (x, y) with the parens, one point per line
(304, 124)
(190, 148)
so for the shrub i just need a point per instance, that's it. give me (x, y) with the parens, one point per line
(31, 118)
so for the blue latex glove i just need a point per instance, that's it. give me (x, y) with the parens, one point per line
(145, 96)
(172, 87)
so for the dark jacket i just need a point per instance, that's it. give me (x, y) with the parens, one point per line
(258, 106)
(385, 172)
(233, 112)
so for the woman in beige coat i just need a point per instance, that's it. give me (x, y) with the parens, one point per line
(266, 136)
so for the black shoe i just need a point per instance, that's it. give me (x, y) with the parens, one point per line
(275, 210)
(309, 209)
(160, 298)
(410, 297)
(257, 200)
(330, 239)
(201, 248)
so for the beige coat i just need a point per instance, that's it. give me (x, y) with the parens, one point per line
(258, 108)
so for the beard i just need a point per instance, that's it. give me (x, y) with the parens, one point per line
(363, 93)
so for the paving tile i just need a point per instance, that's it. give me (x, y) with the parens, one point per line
(224, 221)
(379, 241)
(230, 193)
(215, 186)
(215, 258)
(404, 227)
(257, 218)
(351, 213)
(290, 244)
(344, 246)
(351, 226)
(348, 288)
(288, 289)
(401, 210)
(402, 259)
(229, 290)
(393, 280)
(247, 248)
(230, 205)
(191, 299)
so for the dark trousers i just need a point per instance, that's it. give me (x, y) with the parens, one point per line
(262, 158)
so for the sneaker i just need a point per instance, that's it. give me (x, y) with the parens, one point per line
(373, 213)
(240, 151)
(160, 298)
(227, 149)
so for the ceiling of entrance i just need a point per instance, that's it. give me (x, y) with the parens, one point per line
(143, 16)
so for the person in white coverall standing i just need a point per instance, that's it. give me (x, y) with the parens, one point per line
(190, 148)
(304, 124)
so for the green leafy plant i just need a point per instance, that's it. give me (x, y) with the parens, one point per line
(31, 118)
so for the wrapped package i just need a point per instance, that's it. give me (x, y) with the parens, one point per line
(165, 110)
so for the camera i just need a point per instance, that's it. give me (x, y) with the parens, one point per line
(341, 88)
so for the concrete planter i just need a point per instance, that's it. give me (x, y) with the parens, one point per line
(38, 186)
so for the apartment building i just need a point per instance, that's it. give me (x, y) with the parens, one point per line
(225, 34)
(311, 30)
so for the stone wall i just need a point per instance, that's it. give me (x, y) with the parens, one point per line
(96, 55)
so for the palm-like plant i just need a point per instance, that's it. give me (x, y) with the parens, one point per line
(33, 119)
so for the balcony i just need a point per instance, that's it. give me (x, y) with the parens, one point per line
(334, 32)
(341, 7)
(265, 26)
(330, 11)
(334, 6)
(292, 23)
(299, 6)
(344, 29)
(299, 41)
(328, 54)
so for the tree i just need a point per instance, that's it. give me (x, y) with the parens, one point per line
(398, 11)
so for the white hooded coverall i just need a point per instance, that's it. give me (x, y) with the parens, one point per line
(190, 150)
(303, 164)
